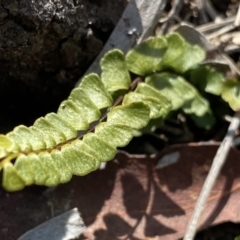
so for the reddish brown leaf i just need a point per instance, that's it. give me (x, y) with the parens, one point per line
(132, 199)
(160, 202)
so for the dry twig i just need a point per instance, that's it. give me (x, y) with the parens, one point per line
(176, 8)
(218, 162)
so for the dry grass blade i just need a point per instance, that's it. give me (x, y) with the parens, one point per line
(237, 20)
(176, 8)
(226, 28)
(210, 10)
(201, 6)
(218, 162)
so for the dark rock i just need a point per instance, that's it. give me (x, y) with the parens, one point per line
(45, 47)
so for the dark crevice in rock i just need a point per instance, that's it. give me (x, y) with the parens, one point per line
(45, 47)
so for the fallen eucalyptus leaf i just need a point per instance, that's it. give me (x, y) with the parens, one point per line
(66, 226)
(131, 198)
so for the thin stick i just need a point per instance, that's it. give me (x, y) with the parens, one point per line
(218, 162)
(201, 7)
(212, 26)
(227, 28)
(237, 20)
(221, 31)
(211, 10)
(176, 8)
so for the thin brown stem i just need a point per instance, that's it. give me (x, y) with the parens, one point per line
(116, 103)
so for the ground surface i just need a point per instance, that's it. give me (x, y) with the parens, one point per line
(32, 86)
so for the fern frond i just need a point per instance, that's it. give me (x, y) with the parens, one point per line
(80, 156)
(183, 96)
(231, 93)
(52, 150)
(104, 112)
(115, 75)
(153, 49)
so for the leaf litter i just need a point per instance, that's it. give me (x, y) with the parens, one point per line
(136, 200)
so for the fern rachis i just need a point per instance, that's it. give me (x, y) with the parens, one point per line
(93, 122)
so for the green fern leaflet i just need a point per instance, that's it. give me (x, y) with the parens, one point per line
(104, 112)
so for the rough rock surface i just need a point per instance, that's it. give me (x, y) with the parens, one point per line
(45, 46)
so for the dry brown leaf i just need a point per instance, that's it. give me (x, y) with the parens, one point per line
(132, 199)
(159, 203)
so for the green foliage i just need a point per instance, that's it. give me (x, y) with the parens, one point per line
(207, 79)
(147, 56)
(115, 75)
(180, 55)
(91, 124)
(183, 96)
(231, 93)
